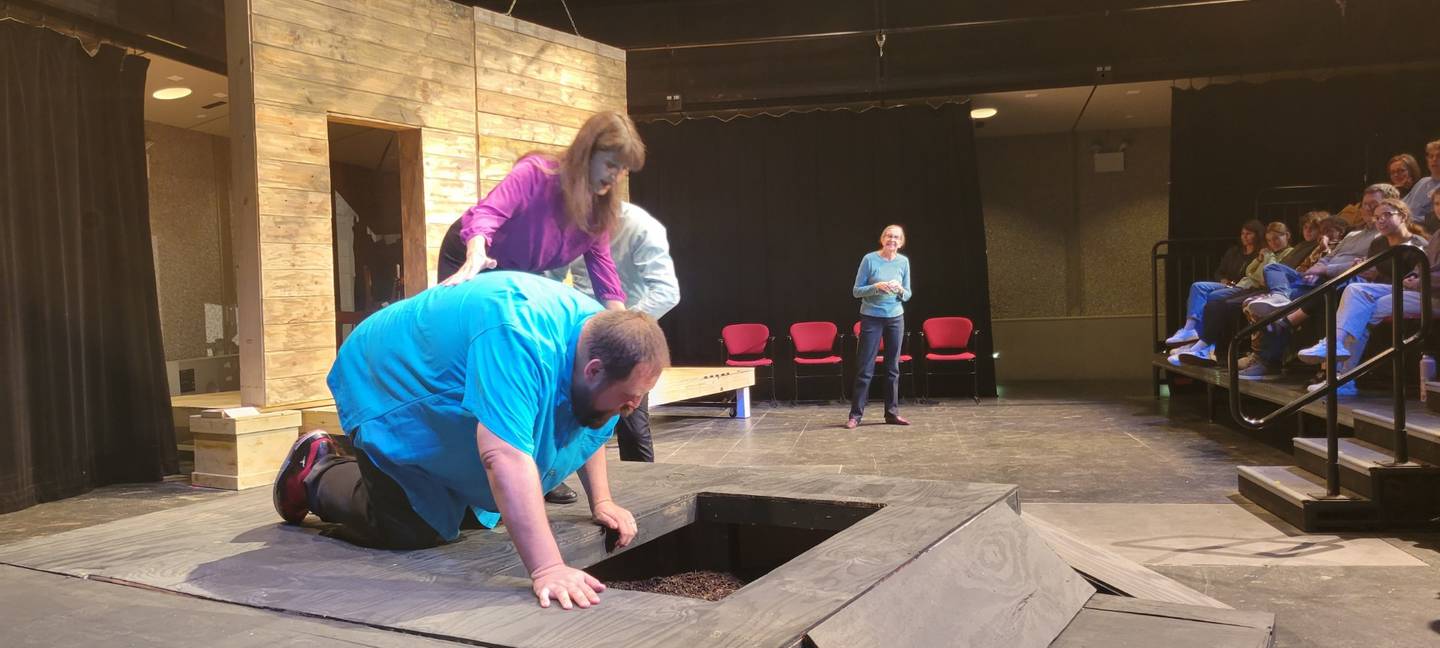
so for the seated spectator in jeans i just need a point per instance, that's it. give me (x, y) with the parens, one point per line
(1232, 269)
(1222, 304)
(1268, 350)
(1366, 304)
(1284, 284)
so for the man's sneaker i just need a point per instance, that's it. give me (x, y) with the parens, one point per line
(1266, 304)
(291, 500)
(1315, 353)
(1346, 389)
(1201, 354)
(1259, 371)
(1186, 335)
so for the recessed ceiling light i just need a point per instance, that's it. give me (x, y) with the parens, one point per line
(220, 95)
(983, 113)
(1031, 95)
(201, 116)
(167, 94)
(175, 77)
(1132, 92)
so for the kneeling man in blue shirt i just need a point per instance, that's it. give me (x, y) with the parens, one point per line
(475, 400)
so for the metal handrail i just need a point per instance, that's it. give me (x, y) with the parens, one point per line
(1328, 290)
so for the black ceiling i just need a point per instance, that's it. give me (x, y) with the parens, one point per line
(750, 53)
(742, 53)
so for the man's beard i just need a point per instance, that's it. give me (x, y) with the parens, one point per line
(582, 403)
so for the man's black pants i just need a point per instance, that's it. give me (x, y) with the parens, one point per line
(372, 507)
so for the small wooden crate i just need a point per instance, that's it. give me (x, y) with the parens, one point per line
(241, 451)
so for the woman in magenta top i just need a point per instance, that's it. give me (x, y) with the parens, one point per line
(548, 212)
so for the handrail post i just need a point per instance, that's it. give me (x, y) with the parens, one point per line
(1397, 364)
(1332, 402)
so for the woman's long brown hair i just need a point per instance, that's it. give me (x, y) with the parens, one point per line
(604, 131)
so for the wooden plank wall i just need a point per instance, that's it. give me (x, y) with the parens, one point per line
(534, 88)
(476, 87)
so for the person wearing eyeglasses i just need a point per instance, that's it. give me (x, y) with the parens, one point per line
(1364, 304)
(882, 284)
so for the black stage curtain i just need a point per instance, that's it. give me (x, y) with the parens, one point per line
(1232, 143)
(768, 218)
(84, 392)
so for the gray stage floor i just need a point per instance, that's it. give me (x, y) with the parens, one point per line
(1067, 446)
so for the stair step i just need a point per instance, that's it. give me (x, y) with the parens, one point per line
(1357, 460)
(1296, 485)
(1298, 497)
(1355, 454)
(1423, 436)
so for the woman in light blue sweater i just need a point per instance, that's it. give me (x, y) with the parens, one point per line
(882, 283)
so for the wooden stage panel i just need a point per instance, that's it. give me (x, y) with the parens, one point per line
(234, 549)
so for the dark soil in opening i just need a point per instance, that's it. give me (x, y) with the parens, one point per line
(706, 585)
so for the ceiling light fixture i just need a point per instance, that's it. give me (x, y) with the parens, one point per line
(169, 94)
(1031, 95)
(983, 113)
(1132, 92)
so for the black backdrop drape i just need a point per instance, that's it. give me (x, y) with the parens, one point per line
(82, 379)
(1230, 142)
(768, 218)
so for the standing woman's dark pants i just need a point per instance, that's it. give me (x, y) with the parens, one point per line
(872, 331)
(632, 433)
(452, 253)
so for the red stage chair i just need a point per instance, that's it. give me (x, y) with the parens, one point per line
(814, 346)
(748, 345)
(950, 339)
(905, 359)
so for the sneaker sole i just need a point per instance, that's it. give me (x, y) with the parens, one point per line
(290, 459)
(1197, 361)
(1261, 309)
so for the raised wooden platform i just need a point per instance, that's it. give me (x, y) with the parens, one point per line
(901, 562)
